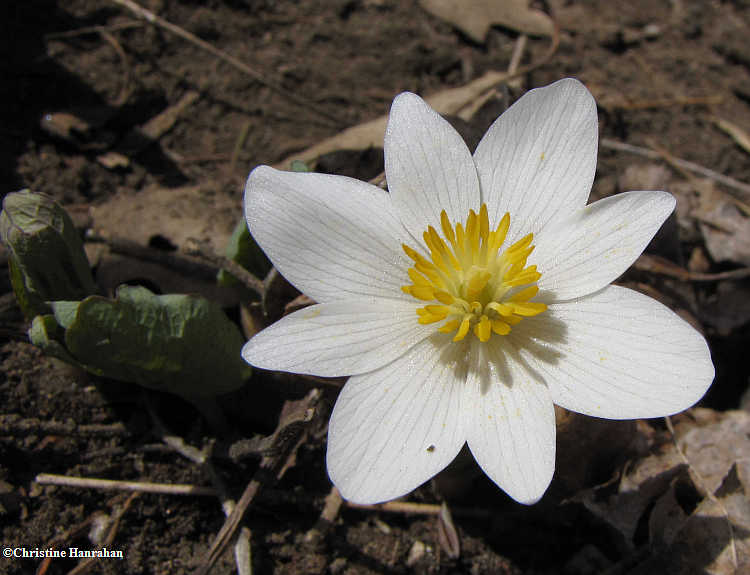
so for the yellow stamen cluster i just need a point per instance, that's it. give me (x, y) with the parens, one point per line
(469, 283)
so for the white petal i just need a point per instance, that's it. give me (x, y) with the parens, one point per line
(617, 354)
(393, 429)
(589, 249)
(510, 422)
(332, 237)
(340, 338)
(428, 166)
(537, 161)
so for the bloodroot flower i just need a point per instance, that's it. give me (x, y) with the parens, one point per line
(469, 298)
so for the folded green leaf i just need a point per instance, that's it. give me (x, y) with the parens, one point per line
(183, 344)
(46, 256)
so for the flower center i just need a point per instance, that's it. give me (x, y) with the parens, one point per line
(474, 286)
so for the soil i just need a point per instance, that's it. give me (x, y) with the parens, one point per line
(662, 72)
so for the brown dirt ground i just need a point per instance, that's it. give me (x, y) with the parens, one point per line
(348, 57)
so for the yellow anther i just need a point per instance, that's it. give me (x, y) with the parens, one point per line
(437, 309)
(449, 326)
(526, 276)
(483, 329)
(417, 278)
(468, 282)
(462, 330)
(528, 308)
(484, 222)
(501, 308)
(521, 244)
(460, 237)
(525, 294)
(444, 297)
(425, 293)
(500, 327)
(445, 224)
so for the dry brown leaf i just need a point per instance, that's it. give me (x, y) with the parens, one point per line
(370, 134)
(712, 450)
(715, 538)
(175, 214)
(168, 216)
(475, 17)
(666, 519)
(712, 468)
(727, 234)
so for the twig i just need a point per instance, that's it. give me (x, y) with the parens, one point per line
(728, 181)
(409, 508)
(126, 88)
(70, 534)
(228, 58)
(657, 265)
(518, 49)
(626, 104)
(87, 563)
(142, 486)
(200, 263)
(327, 517)
(12, 424)
(289, 434)
(670, 159)
(221, 262)
(202, 457)
(701, 483)
(92, 30)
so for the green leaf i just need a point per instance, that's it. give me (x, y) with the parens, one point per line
(243, 250)
(47, 334)
(183, 344)
(46, 256)
(299, 166)
(65, 312)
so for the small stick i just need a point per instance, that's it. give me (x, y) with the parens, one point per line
(199, 263)
(271, 469)
(86, 564)
(143, 486)
(664, 103)
(728, 181)
(410, 508)
(652, 264)
(92, 30)
(518, 50)
(126, 87)
(228, 58)
(221, 262)
(202, 457)
(327, 517)
(12, 424)
(71, 533)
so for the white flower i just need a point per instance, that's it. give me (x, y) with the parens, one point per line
(428, 297)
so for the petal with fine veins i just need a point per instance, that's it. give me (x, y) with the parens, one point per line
(589, 249)
(510, 422)
(427, 165)
(394, 428)
(339, 338)
(537, 161)
(618, 354)
(333, 238)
